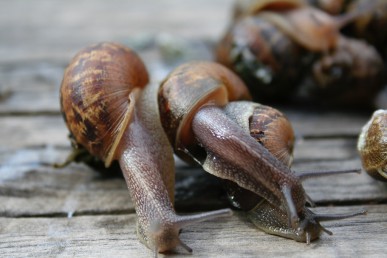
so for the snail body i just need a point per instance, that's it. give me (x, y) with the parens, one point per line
(114, 114)
(372, 145)
(271, 129)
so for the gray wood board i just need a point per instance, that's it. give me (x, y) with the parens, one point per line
(108, 235)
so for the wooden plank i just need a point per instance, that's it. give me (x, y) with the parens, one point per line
(30, 87)
(21, 132)
(38, 191)
(51, 130)
(56, 30)
(310, 122)
(102, 236)
(76, 211)
(30, 187)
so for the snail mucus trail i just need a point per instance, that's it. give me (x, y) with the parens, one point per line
(112, 112)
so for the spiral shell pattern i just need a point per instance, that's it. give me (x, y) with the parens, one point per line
(98, 94)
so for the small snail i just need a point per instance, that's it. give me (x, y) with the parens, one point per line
(372, 145)
(113, 114)
(371, 26)
(271, 129)
(350, 75)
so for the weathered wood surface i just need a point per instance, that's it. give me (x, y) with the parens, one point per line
(113, 236)
(74, 211)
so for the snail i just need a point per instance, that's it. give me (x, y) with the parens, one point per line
(372, 145)
(272, 129)
(371, 26)
(350, 75)
(111, 113)
(272, 44)
(114, 114)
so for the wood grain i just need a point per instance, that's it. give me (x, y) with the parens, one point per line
(108, 235)
(76, 211)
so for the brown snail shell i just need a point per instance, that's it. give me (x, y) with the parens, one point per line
(271, 129)
(372, 25)
(189, 87)
(244, 8)
(372, 145)
(268, 61)
(267, 125)
(350, 75)
(107, 72)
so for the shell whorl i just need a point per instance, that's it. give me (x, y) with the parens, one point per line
(267, 125)
(274, 131)
(372, 145)
(98, 92)
(189, 87)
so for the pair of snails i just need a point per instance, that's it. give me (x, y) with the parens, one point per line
(289, 49)
(201, 112)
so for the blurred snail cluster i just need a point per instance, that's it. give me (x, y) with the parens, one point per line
(331, 52)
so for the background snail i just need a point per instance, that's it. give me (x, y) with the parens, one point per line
(370, 26)
(272, 44)
(372, 145)
(349, 75)
(114, 116)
